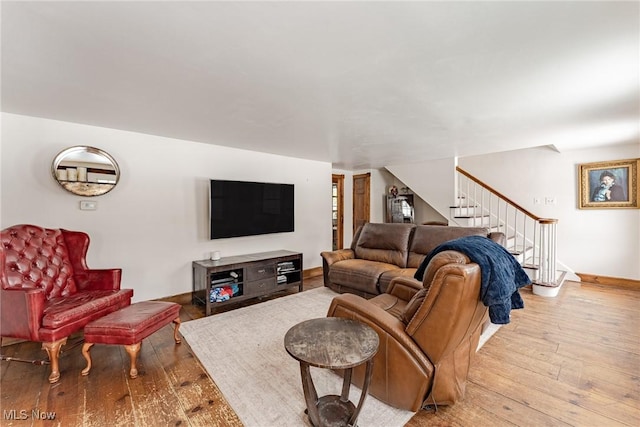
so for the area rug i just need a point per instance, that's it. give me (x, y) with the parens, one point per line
(243, 352)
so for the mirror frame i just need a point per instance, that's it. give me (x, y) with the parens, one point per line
(82, 187)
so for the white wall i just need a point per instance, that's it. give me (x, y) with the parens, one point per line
(155, 222)
(433, 181)
(423, 211)
(603, 242)
(380, 181)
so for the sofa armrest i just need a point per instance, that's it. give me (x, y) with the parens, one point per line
(331, 257)
(404, 287)
(498, 237)
(94, 280)
(21, 311)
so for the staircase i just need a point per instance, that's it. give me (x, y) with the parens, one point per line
(532, 240)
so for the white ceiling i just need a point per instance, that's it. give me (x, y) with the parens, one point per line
(359, 84)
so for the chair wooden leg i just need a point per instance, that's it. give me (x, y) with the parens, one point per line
(133, 351)
(53, 351)
(85, 352)
(176, 336)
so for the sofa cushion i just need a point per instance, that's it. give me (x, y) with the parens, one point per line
(427, 237)
(62, 311)
(359, 274)
(388, 276)
(386, 243)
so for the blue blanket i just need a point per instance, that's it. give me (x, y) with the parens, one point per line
(501, 274)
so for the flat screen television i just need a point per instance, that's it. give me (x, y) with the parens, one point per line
(241, 208)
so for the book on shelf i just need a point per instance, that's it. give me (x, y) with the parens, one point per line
(224, 280)
(282, 279)
(286, 267)
(286, 264)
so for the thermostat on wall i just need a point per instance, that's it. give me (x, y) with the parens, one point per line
(86, 205)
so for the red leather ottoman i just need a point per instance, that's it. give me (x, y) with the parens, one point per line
(128, 327)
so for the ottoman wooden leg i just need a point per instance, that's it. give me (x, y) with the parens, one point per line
(176, 336)
(53, 351)
(133, 350)
(85, 352)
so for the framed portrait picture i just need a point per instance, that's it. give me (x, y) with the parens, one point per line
(608, 185)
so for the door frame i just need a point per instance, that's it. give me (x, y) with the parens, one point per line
(338, 180)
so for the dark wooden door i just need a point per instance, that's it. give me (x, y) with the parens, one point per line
(361, 199)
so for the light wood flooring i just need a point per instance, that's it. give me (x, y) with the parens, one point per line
(570, 360)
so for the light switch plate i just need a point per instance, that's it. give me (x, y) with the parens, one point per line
(86, 205)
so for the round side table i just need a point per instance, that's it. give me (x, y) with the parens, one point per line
(332, 343)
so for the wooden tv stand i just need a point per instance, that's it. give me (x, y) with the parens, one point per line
(237, 278)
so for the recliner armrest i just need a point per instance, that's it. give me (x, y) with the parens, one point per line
(350, 306)
(94, 280)
(21, 311)
(404, 288)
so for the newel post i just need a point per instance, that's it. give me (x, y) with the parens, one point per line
(548, 244)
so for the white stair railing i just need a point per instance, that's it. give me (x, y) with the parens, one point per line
(530, 238)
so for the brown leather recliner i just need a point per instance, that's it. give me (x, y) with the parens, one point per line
(428, 331)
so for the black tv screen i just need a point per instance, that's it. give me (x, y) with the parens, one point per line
(240, 208)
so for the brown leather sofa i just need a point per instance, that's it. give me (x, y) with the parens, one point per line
(381, 252)
(48, 292)
(429, 332)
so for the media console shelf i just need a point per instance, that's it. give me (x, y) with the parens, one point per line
(237, 278)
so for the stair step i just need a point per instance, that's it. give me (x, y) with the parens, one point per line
(518, 256)
(560, 275)
(473, 221)
(531, 272)
(546, 289)
(463, 211)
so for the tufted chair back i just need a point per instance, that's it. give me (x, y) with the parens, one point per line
(37, 257)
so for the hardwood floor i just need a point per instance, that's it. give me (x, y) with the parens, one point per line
(569, 360)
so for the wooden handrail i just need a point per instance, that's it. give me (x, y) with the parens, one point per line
(537, 252)
(502, 196)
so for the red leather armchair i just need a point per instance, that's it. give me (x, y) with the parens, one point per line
(48, 292)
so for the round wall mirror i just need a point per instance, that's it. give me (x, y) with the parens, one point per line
(85, 171)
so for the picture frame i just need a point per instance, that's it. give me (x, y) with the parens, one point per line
(608, 185)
